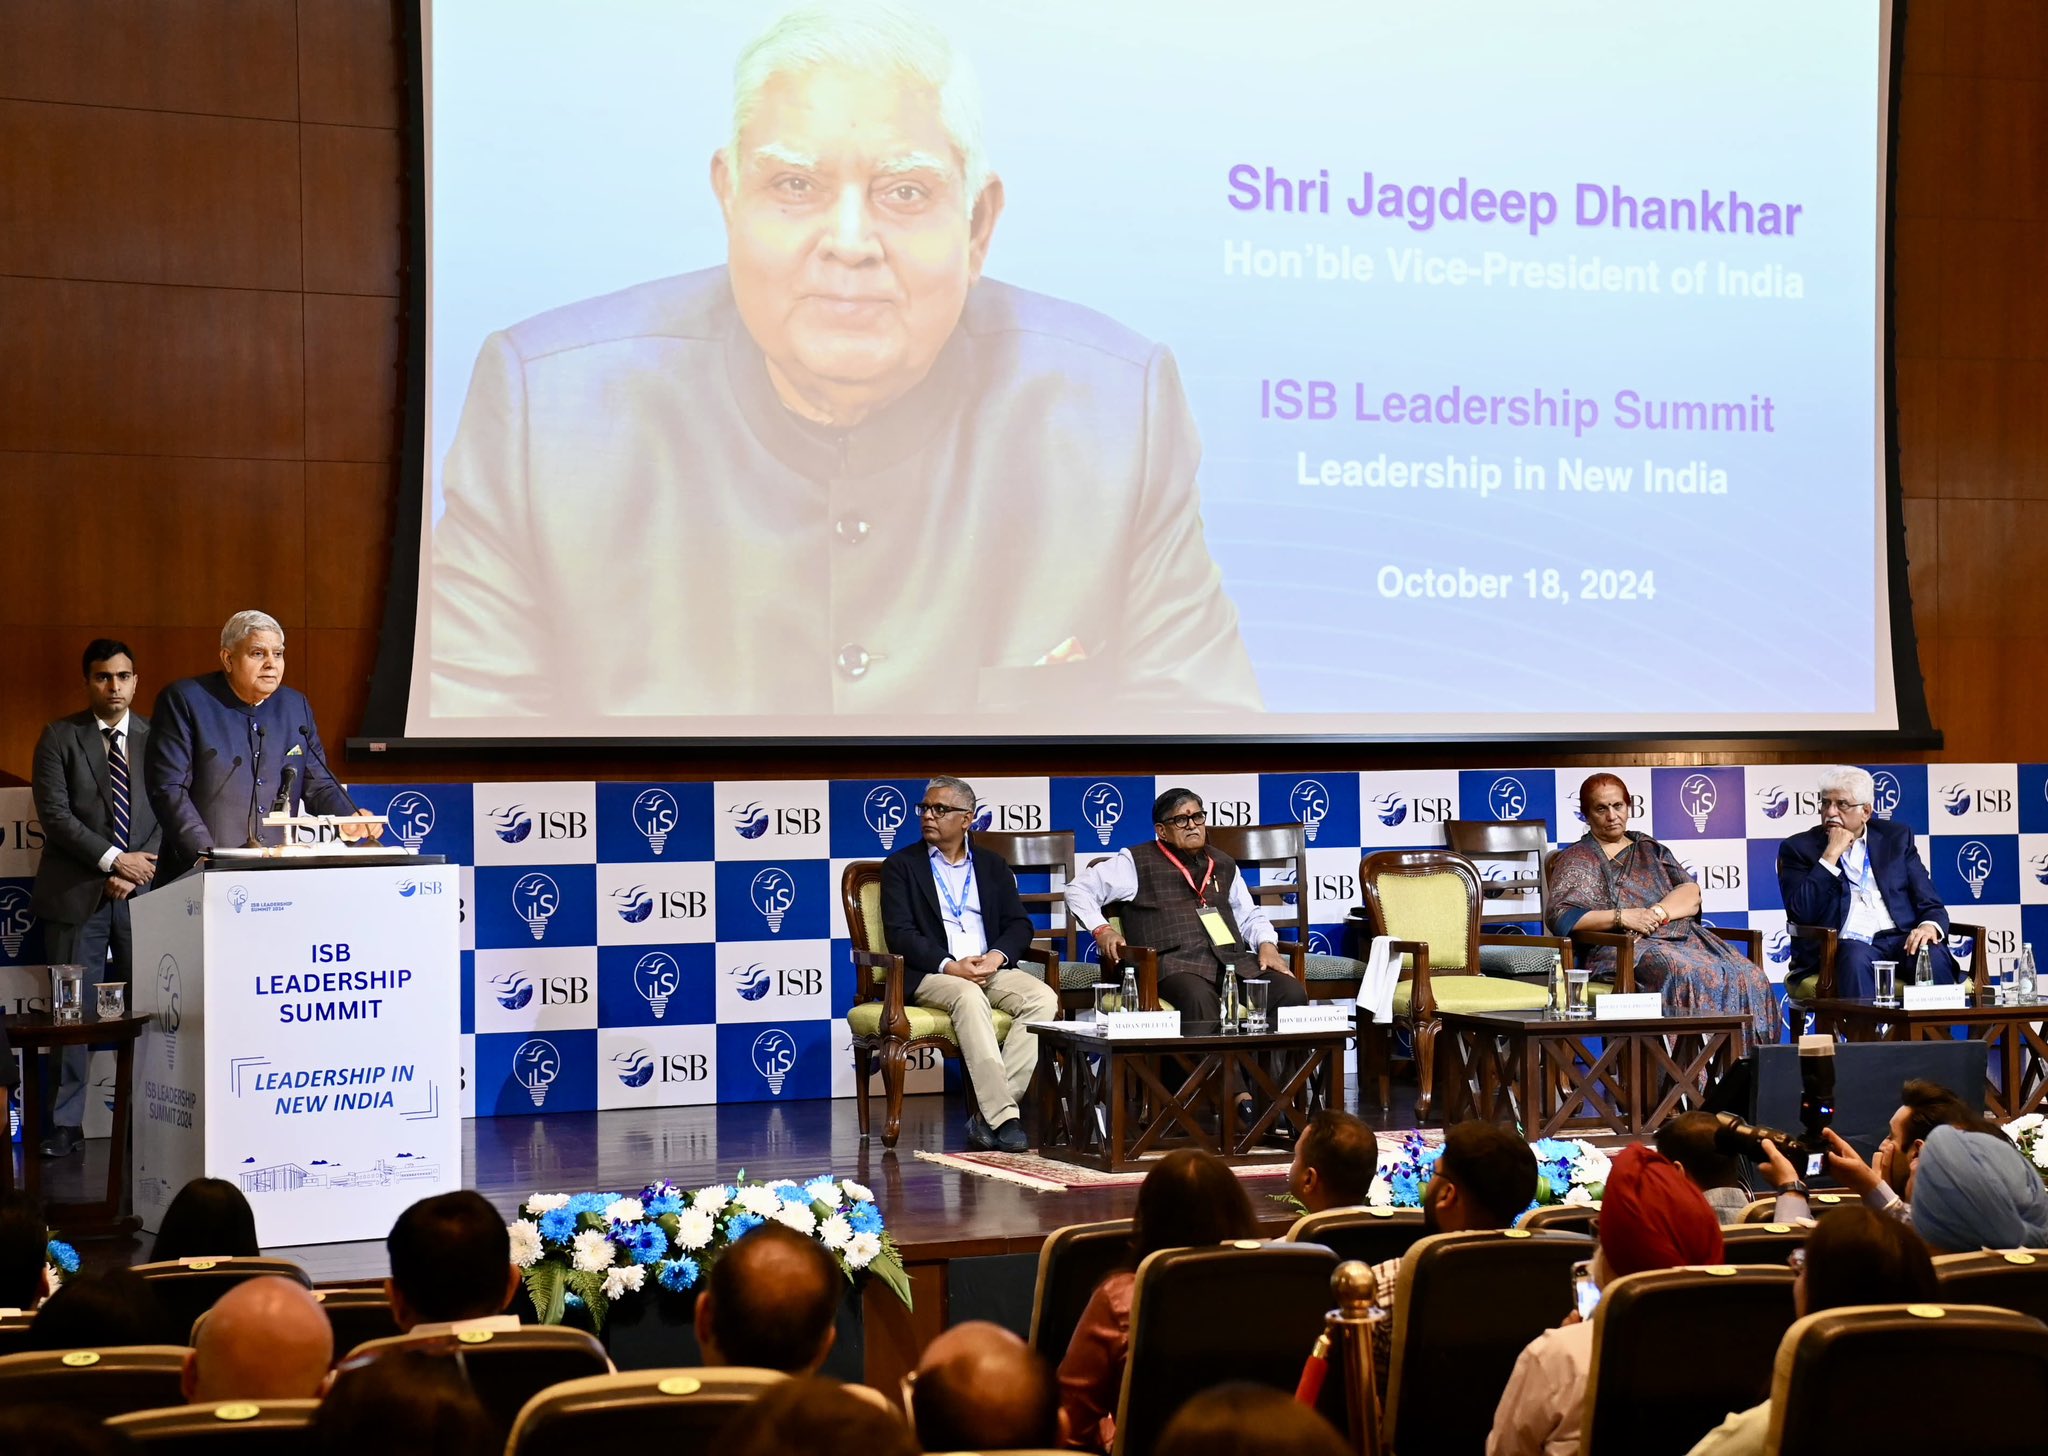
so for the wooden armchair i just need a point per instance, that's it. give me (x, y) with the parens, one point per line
(1051, 855)
(884, 1022)
(1281, 852)
(1819, 984)
(1624, 946)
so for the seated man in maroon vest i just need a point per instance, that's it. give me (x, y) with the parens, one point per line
(1188, 902)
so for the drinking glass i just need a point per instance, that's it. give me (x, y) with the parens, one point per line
(1258, 998)
(1109, 998)
(1575, 1002)
(2007, 981)
(67, 993)
(1887, 982)
(113, 1000)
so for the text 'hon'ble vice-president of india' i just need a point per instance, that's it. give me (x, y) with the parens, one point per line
(844, 473)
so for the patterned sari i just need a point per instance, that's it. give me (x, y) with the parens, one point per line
(1698, 973)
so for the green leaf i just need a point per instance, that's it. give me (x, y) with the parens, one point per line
(591, 1287)
(545, 1288)
(887, 1266)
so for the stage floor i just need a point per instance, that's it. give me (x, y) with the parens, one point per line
(934, 1212)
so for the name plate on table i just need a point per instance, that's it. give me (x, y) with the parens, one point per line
(1636, 1006)
(1119, 1024)
(1933, 998)
(1327, 1016)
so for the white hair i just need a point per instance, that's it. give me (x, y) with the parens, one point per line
(867, 35)
(1852, 783)
(946, 783)
(242, 624)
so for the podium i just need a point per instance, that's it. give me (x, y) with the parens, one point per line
(304, 1041)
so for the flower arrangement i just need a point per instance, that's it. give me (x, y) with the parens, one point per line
(2030, 1134)
(1568, 1170)
(594, 1249)
(61, 1260)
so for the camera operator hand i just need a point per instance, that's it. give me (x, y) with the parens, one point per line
(1779, 1167)
(1847, 1167)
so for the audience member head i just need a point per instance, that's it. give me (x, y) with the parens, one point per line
(1690, 1140)
(1248, 1420)
(1923, 1106)
(770, 1301)
(451, 1259)
(1652, 1217)
(265, 1339)
(24, 1241)
(1858, 1256)
(96, 1310)
(980, 1388)
(55, 1430)
(814, 1413)
(1484, 1179)
(1334, 1161)
(209, 1219)
(1191, 1198)
(1975, 1190)
(407, 1403)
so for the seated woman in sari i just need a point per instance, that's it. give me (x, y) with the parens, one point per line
(1615, 879)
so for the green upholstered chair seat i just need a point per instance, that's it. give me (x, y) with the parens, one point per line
(1528, 961)
(1079, 975)
(1473, 993)
(866, 1021)
(1803, 988)
(1332, 968)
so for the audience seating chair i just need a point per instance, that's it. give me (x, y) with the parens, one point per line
(1051, 855)
(1372, 1235)
(109, 1381)
(680, 1410)
(1567, 1218)
(1816, 984)
(1761, 1243)
(1428, 902)
(885, 1023)
(1467, 1304)
(1750, 942)
(228, 1427)
(1978, 1382)
(1071, 1262)
(507, 1368)
(2014, 1279)
(1644, 1398)
(358, 1314)
(1182, 1340)
(1759, 1210)
(1278, 853)
(14, 1332)
(188, 1288)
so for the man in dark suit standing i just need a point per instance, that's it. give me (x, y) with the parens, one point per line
(952, 911)
(1861, 876)
(99, 847)
(224, 744)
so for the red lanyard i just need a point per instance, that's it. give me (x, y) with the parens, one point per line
(1208, 874)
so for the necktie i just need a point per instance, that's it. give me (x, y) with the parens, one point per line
(117, 774)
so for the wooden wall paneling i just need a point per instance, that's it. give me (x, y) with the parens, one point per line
(349, 518)
(1918, 399)
(1994, 296)
(1979, 178)
(1994, 585)
(353, 356)
(1923, 566)
(332, 666)
(355, 209)
(1925, 51)
(348, 61)
(148, 196)
(1916, 286)
(1989, 37)
(217, 57)
(142, 369)
(45, 661)
(1917, 192)
(1993, 435)
(1990, 697)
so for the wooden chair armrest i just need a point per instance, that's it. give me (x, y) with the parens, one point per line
(1980, 963)
(1827, 940)
(1297, 958)
(1624, 947)
(1422, 1001)
(1147, 961)
(1752, 941)
(895, 1020)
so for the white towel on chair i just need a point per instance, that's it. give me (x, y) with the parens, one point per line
(1382, 974)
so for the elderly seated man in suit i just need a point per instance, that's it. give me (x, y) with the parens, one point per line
(1862, 877)
(952, 911)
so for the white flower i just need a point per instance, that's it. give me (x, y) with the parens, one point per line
(711, 1199)
(759, 1201)
(781, 1183)
(2040, 1152)
(822, 1190)
(694, 1228)
(622, 1278)
(861, 1250)
(859, 1193)
(1578, 1197)
(624, 1210)
(835, 1232)
(594, 1251)
(2019, 1126)
(525, 1243)
(796, 1216)
(542, 1203)
(1381, 1194)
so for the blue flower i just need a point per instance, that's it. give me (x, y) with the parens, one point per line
(865, 1218)
(573, 1300)
(794, 1195)
(1407, 1188)
(662, 1203)
(647, 1243)
(591, 1202)
(654, 1191)
(63, 1256)
(741, 1224)
(678, 1274)
(558, 1226)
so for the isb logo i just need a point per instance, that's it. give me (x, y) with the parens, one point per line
(655, 815)
(774, 1057)
(886, 811)
(1719, 876)
(535, 899)
(637, 1066)
(1961, 799)
(752, 981)
(656, 976)
(752, 820)
(1310, 803)
(638, 903)
(1974, 864)
(1009, 818)
(1229, 813)
(411, 815)
(515, 823)
(1508, 798)
(1697, 798)
(1777, 801)
(1102, 806)
(1885, 794)
(773, 892)
(512, 990)
(535, 1066)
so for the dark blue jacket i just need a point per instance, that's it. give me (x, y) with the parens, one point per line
(1813, 896)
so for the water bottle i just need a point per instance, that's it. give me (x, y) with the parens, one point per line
(1231, 1021)
(1129, 1001)
(2027, 984)
(1923, 967)
(1560, 993)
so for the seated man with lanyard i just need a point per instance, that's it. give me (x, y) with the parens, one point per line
(1187, 901)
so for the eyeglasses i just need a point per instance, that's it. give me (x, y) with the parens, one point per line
(1845, 805)
(1187, 821)
(940, 811)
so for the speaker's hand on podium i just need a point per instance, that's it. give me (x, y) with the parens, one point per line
(357, 831)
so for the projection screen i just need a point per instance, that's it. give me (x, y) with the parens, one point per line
(1511, 368)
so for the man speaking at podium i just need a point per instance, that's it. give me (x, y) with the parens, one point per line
(227, 748)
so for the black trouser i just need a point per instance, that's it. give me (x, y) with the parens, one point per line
(1198, 999)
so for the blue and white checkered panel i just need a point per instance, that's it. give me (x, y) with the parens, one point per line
(631, 945)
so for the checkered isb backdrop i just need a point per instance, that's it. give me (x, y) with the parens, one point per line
(684, 943)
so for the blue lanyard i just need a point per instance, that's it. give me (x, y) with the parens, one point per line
(957, 908)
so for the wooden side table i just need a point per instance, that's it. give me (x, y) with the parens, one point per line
(2016, 1072)
(34, 1034)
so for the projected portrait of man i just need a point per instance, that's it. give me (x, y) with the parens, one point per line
(844, 473)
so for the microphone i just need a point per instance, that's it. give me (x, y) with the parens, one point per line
(285, 784)
(255, 840)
